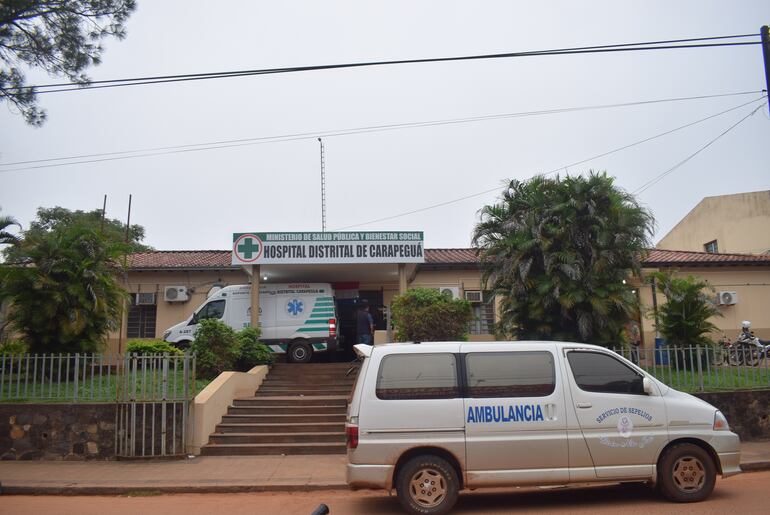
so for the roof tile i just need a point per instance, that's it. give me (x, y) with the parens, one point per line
(217, 259)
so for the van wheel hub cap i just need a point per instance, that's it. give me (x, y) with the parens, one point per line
(689, 474)
(427, 487)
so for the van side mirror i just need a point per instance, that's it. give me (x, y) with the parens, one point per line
(647, 386)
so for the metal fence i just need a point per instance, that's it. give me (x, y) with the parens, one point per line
(705, 368)
(152, 393)
(96, 377)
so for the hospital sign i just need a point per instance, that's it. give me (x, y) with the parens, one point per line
(253, 248)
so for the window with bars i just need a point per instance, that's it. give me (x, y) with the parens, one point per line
(141, 320)
(483, 321)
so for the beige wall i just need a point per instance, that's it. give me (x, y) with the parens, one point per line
(752, 284)
(740, 223)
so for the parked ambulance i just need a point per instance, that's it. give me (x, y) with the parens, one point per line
(297, 318)
(431, 419)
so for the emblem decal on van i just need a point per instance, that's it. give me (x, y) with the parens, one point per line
(625, 426)
(517, 413)
(295, 307)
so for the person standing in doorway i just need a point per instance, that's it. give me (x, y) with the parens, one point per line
(635, 340)
(364, 324)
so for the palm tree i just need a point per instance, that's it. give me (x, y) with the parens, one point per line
(557, 253)
(6, 238)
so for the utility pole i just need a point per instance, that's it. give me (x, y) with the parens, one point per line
(764, 32)
(323, 187)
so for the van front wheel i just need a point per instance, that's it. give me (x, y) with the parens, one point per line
(427, 485)
(686, 473)
(300, 352)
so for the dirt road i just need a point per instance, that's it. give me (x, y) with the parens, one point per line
(744, 494)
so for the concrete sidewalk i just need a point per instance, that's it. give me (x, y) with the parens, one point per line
(205, 474)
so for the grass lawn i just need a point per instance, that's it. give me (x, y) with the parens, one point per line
(94, 389)
(719, 378)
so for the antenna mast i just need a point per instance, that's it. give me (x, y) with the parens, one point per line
(323, 187)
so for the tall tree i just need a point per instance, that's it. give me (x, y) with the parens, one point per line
(558, 252)
(66, 296)
(61, 37)
(51, 219)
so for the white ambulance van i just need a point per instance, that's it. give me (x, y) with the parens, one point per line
(431, 419)
(298, 318)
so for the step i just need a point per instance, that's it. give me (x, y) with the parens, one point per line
(289, 382)
(299, 378)
(292, 400)
(254, 449)
(304, 437)
(309, 419)
(307, 386)
(313, 365)
(306, 392)
(298, 427)
(286, 410)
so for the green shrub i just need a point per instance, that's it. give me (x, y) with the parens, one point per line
(427, 315)
(152, 347)
(252, 351)
(216, 347)
(14, 347)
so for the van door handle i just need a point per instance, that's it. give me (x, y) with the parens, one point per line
(584, 405)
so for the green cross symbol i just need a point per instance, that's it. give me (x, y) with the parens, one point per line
(248, 247)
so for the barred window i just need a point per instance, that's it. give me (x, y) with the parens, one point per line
(141, 320)
(483, 321)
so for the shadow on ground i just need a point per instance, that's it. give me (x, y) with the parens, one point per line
(589, 499)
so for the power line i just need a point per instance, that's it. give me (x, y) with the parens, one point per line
(560, 168)
(196, 147)
(652, 182)
(620, 47)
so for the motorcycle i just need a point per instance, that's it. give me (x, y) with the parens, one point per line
(748, 350)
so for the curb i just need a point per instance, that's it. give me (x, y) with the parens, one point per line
(755, 466)
(71, 490)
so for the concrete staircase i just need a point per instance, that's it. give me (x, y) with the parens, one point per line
(298, 409)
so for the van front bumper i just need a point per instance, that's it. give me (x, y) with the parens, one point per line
(369, 476)
(728, 447)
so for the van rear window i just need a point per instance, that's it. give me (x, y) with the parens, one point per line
(510, 374)
(418, 376)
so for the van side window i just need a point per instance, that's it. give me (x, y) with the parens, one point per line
(600, 372)
(214, 309)
(510, 374)
(418, 376)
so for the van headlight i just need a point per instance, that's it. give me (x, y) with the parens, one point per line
(166, 334)
(720, 422)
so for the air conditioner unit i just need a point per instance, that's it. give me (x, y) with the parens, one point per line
(176, 294)
(727, 298)
(473, 296)
(144, 299)
(450, 291)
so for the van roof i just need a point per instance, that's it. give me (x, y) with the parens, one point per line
(407, 347)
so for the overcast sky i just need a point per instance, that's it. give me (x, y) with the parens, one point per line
(196, 200)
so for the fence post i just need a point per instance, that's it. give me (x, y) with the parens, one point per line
(75, 391)
(700, 367)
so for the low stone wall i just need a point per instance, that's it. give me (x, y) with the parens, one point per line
(57, 431)
(747, 411)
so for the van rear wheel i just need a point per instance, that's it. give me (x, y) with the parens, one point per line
(300, 352)
(686, 473)
(427, 485)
